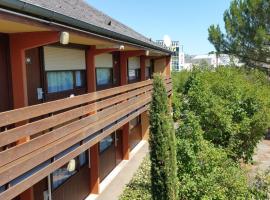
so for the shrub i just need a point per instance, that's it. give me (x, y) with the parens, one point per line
(233, 108)
(261, 185)
(162, 145)
(205, 172)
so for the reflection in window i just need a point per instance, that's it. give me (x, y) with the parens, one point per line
(105, 143)
(80, 78)
(2, 188)
(104, 76)
(62, 174)
(134, 122)
(133, 74)
(59, 81)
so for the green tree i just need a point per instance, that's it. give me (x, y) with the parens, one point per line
(247, 25)
(162, 145)
(232, 106)
(205, 172)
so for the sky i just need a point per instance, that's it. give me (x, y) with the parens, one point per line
(184, 20)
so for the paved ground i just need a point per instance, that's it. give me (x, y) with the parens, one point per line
(116, 187)
(261, 157)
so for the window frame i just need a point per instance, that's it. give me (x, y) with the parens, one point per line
(77, 169)
(84, 81)
(108, 85)
(137, 75)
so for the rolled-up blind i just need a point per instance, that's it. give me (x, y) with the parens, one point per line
(58, 58)
(134, 63)
(104, 60)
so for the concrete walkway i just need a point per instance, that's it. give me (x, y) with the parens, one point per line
(117, 180)
(261, 157)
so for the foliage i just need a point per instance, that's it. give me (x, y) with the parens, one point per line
(247, 34)
(204, 171)
(162, 145)
(261, 185)
(139, 187)
(232, 106)
(179, 81)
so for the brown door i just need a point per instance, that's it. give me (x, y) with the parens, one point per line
(118, 150)
(5, 100)
(33, 72)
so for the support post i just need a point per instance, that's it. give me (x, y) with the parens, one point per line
(90, 69)
(123, 69)
(143, 68)
(19, 43)
(145, 125)
(125, 139)
(94, 169)
(168, 66)
(94, 150)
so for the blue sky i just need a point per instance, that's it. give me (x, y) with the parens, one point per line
(183, 20)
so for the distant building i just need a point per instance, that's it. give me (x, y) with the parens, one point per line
(211, 60)
(178, 56)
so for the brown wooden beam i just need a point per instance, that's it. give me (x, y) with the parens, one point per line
(134, 53)
(101, 51)
(143, 68)
(94, 169)
(145, 125)
(125, 143)
(123, 69)
(19, 43)
(90, 69)
(168, 65)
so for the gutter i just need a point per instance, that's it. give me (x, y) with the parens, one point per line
(51, 17)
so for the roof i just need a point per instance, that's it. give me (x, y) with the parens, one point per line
(82, 11)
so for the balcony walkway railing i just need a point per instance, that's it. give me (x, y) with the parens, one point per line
(58, 131)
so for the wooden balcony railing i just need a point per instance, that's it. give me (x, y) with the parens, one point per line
(59, 131)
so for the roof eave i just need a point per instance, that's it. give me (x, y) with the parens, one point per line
(51, 16)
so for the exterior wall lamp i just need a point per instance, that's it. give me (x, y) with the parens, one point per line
(64, 38)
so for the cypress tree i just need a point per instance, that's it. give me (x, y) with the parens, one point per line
(162, 145)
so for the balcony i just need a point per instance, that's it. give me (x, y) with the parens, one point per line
(37, 140)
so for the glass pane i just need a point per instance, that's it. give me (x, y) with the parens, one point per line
(2, 188)
(132, 74)
(83, 159)
(105, 143)
(61, 175)
(103, 76)
(79, 80)
(59, 81)
(147, 72)
(134, 122)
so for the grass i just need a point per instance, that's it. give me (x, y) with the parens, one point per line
(139, 188)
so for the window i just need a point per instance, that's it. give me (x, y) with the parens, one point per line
(104, 76)
(133, 74)
(2, 188)
(62, 174)
(105, 143)
(149, 72)
(80, 78)
(59, 81)
(134, 122)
